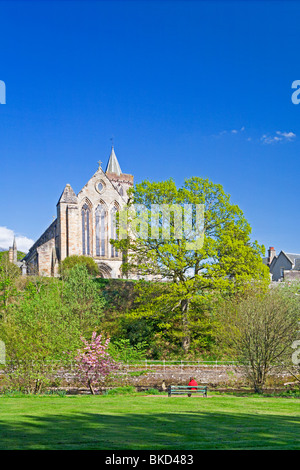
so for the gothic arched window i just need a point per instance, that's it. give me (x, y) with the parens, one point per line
(113, 230)
(85, 220)
(100, 230)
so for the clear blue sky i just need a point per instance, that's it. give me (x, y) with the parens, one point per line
(189, 88)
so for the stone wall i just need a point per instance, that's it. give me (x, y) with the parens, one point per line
(40, 256)
(214, 377)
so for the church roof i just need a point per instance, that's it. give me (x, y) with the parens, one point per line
(113, 164)
(68, 195)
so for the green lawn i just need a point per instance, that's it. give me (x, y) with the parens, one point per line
(149, 422)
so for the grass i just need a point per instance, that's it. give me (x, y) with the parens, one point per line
(141, 422)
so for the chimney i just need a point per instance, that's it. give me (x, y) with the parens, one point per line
(271, 254)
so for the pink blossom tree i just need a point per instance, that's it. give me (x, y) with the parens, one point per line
(94, 363)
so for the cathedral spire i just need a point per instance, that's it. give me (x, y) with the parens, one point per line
(113, 164)
(13, 252)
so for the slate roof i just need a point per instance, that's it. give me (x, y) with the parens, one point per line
(292, 256)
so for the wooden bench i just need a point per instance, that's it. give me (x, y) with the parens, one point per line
(186, 390)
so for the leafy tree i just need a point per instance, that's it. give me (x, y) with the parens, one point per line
(224, 264)
(9, 273)
(75, 260)
(36, 332)
(258, 329)
(40, 325)
(81, 296)
(43, 328)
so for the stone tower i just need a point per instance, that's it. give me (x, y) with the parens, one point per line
(13, 252)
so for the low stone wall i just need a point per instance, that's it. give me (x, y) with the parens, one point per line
(211, 376)
(215, 377)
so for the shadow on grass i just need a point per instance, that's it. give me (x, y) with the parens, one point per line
(168, 431)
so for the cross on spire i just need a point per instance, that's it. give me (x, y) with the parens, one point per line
(99, 163)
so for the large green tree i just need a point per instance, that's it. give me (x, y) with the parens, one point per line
(191, 272)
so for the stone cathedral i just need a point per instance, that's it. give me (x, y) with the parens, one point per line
(85, 224)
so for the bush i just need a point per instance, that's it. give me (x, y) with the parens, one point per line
(72, 261)
(28, 377)
(127, 390)
(153, 391)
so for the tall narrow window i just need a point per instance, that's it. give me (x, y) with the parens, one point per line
(100, 230)
(85, 218)
(113, 230)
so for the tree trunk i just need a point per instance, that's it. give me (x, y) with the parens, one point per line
(186, 339)
(38, 386)
(259, 380)
(258, 387)
(91, 388)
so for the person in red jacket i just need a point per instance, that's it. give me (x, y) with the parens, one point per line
(190, 384)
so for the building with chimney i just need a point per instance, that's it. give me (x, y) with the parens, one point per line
(85, 224)
(284, 267)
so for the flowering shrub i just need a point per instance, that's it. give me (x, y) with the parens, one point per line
(94, 363)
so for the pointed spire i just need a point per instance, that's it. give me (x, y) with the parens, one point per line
(113, 164)
(15, 251)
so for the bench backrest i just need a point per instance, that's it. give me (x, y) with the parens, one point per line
(188, 387)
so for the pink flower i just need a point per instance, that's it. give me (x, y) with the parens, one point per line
(93, 361)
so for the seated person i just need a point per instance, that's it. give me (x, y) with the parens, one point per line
(191, 383)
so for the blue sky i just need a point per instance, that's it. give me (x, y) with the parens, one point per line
(186, 89)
